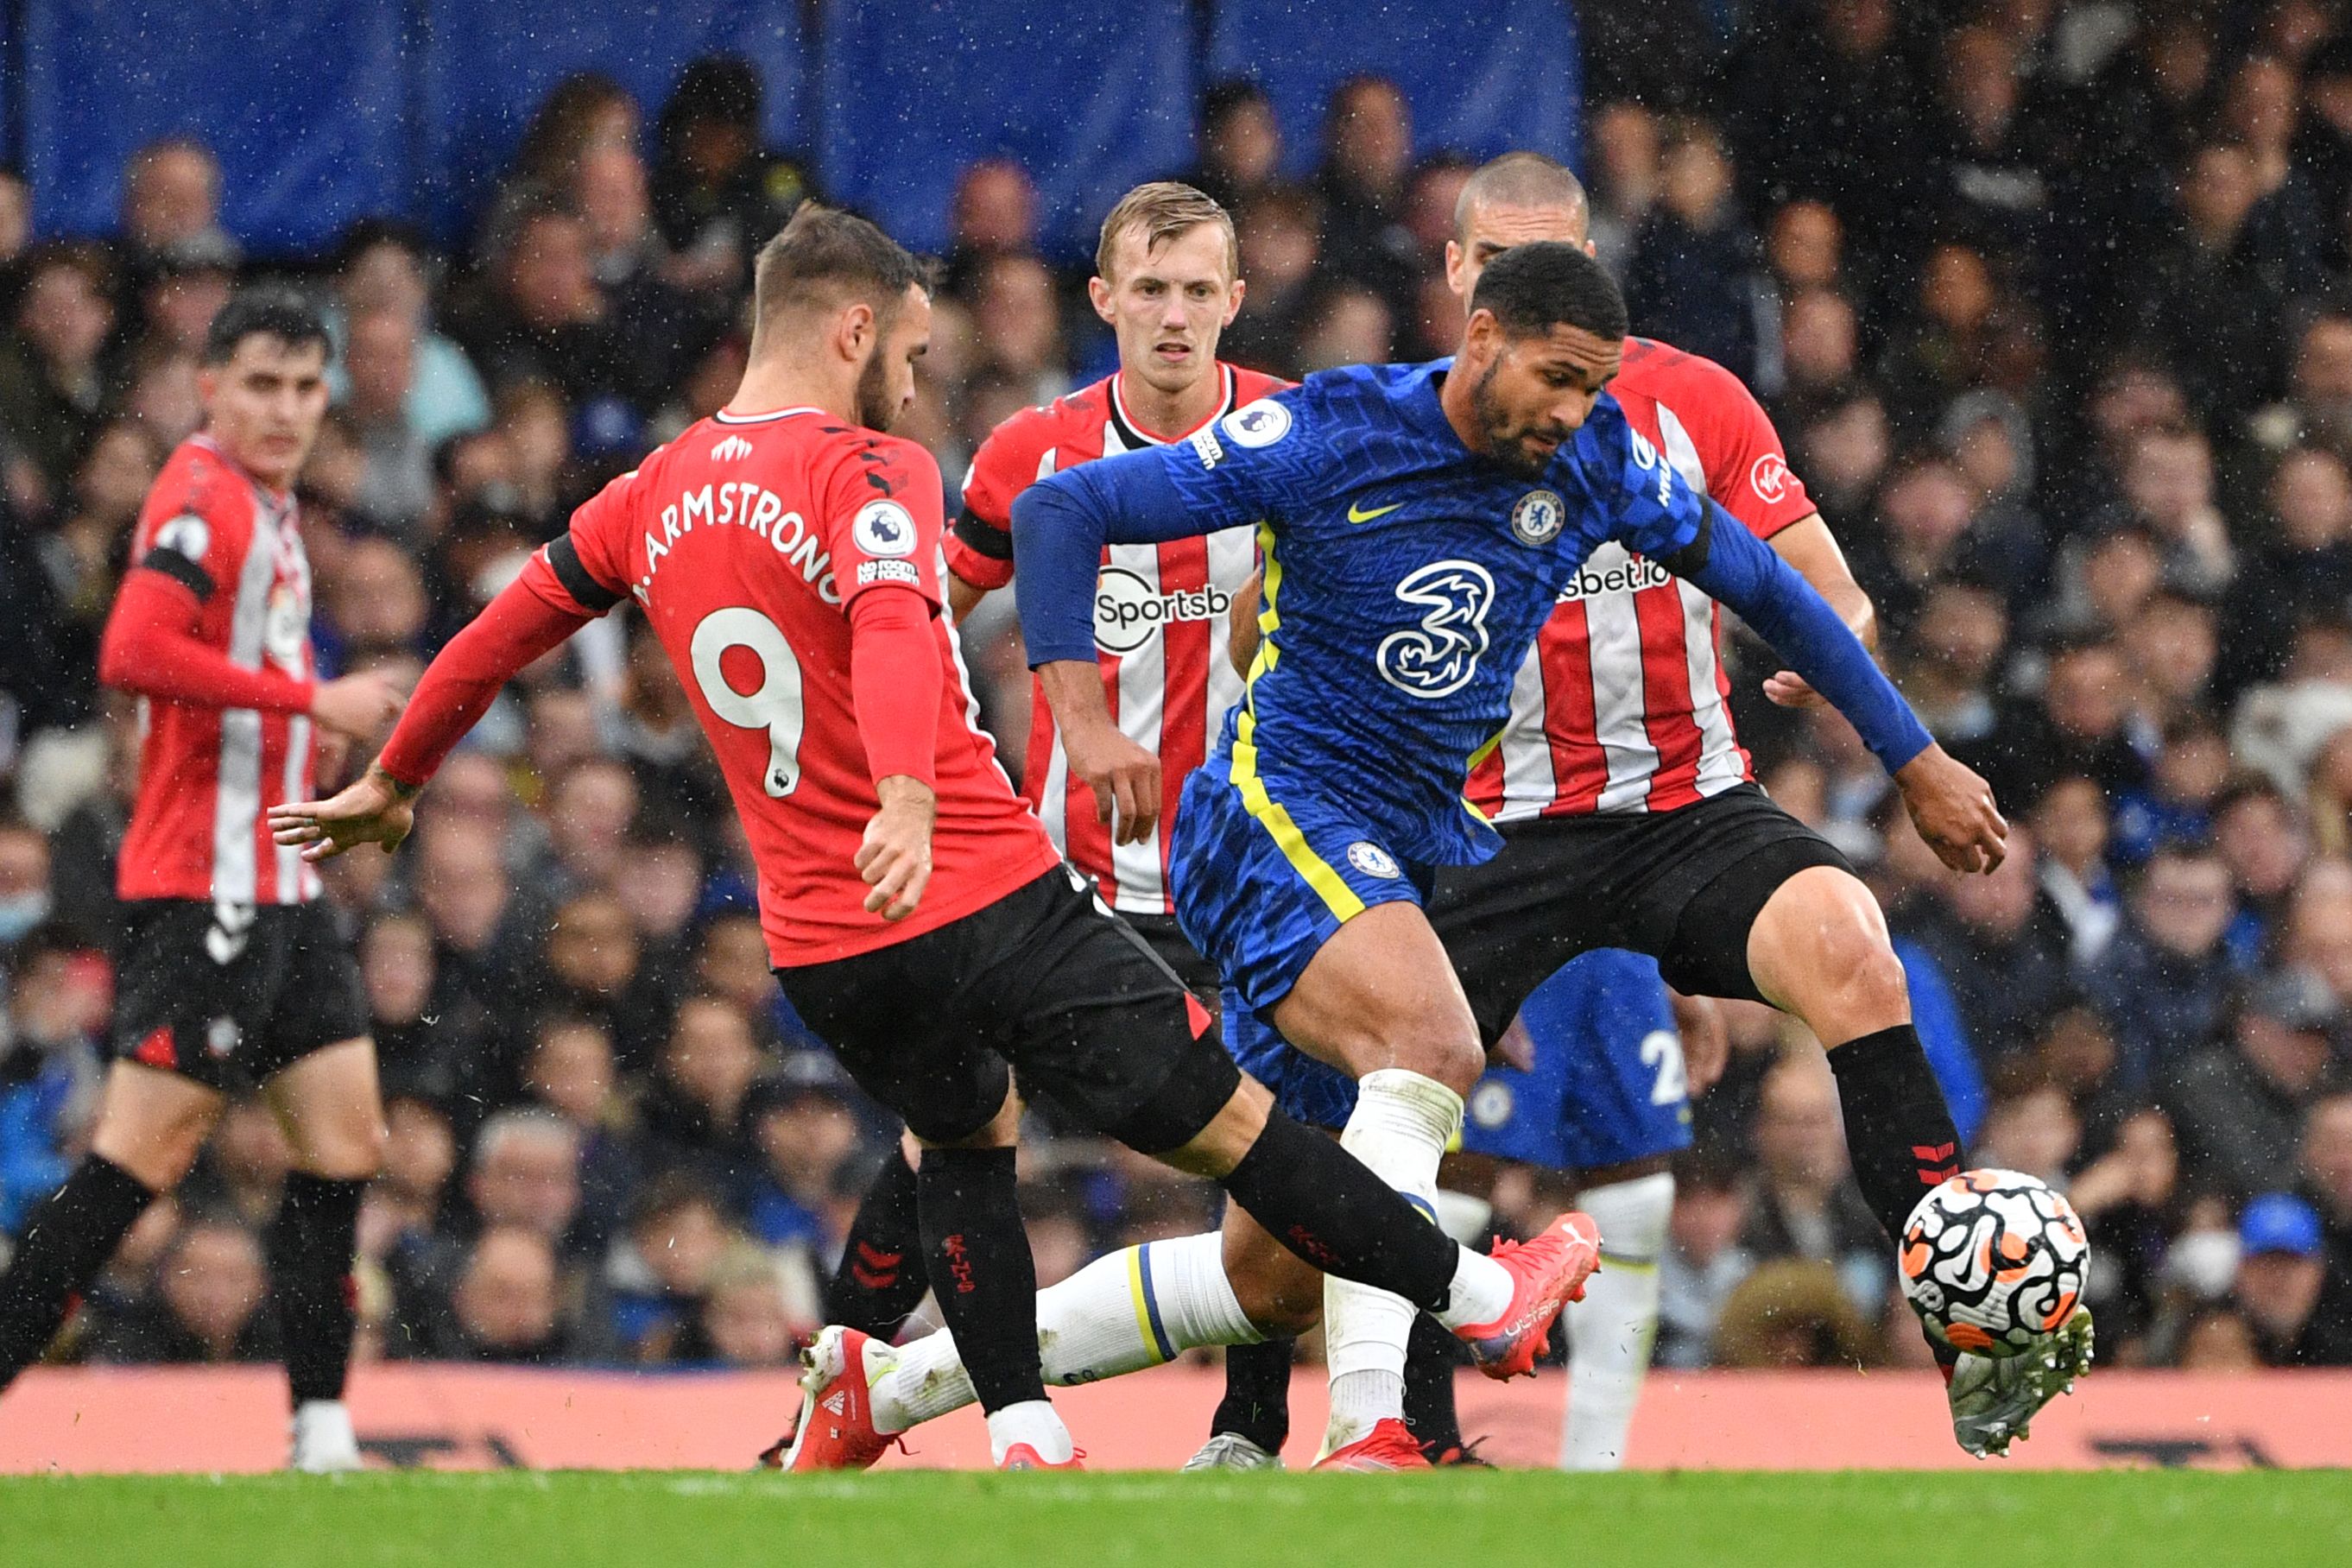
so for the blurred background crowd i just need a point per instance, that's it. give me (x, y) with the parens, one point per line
(2051, 304)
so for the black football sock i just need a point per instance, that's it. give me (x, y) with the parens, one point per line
(1898, 1132)
(1431, 1354)
(881, 1280)
(1327, 1206)
(310, 1246)
(67, 1240)
(977, 1253)
(1257, 1404)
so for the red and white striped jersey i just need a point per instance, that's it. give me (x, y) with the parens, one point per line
(208, 775)
(1163, 620)
(744, 543)
(1622, 704)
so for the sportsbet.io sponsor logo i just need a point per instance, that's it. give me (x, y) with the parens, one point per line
(1129, 611)
(1611, 570)
(1372, 861)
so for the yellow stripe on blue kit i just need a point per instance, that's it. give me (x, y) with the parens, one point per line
(1269, 814)
(1147, 1305)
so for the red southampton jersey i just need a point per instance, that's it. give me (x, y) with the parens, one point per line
(1622, 704)
(744, 542)
(1163, 620)
(208, 775)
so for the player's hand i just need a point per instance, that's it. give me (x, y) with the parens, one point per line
(1707, 1040)
(378, 809)
(1124, 776)
(896, 859)
(1954, 811)
(358, 706)
(1789, 690)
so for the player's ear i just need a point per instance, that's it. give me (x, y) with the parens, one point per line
(1454, 257)
(1098, 294)
(855, 331)
(1234, 300)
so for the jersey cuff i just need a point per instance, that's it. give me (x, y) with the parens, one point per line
(984, 537)
(972, 566)
(181, 570)
(563, 559)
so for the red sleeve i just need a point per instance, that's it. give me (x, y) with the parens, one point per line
(151, 647)
(979, 546)
(522, 623)
(880, 517)
(1746, 468)
(895, 684)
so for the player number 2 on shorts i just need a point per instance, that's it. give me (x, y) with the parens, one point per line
(1662, 1051)
(774, 705)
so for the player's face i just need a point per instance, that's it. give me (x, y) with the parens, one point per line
(263, 406)
(1168, 306)
(1489, 231)
(1535, 391)
(885, 388)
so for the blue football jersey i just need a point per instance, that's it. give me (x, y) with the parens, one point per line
(1405, 579)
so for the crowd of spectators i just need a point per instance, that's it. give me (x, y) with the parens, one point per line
(2052, 304)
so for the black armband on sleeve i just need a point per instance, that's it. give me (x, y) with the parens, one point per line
(1692, 557)
(588, 592)
(984, 537)
(181, 570)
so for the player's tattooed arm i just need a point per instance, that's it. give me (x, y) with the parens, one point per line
(375, 809)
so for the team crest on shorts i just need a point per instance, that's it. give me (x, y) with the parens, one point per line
(1491, 1103)
(1537, 520)
(1371, 859)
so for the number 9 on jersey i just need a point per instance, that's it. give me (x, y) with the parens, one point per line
(774, 706)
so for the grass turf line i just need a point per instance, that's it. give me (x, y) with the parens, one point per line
(575, 1519)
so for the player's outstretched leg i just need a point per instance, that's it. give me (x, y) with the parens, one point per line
(881, 1278)
(150, 1125)
(1818, 948)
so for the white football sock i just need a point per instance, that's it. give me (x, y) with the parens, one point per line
(1034, 1422)
(1609, 1332)
(1136, 1308)
(1400, 1128)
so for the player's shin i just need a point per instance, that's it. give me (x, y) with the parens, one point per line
(976, 1251)
(1610, 1333)
(1401, 1125)
(881, 1280)
(1325, 1206)
(310, 1246)
(1136, 1308)
(1898, 1131)
(66, 1241)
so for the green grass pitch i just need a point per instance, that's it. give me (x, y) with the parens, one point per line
(573, 1519)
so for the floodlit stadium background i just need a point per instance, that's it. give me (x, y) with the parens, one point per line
(2050, 302)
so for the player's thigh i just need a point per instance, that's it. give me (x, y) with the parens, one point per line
(1819, 949)
(1098, 1022)
(331, 1106)
(1381, 993)
(152, 1122)
(905, 1037)
(196, 984)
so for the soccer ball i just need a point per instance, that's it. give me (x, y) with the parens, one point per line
(1993, 1260)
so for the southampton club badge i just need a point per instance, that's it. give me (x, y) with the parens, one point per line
(1537, 518)
(1372, 861)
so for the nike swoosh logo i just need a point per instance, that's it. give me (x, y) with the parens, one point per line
(1358, 514)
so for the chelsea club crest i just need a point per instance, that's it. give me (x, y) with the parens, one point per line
(1537, 518)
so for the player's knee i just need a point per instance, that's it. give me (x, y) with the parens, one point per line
(1278, 1293)
(1861, 979)
(1452, 1057)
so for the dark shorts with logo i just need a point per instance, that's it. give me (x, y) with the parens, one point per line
(230, 994)
(1166, 939)
(1683, 885)
(1044, 983)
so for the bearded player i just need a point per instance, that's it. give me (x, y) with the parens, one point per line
(787, 554)
(234, 975)
(1166, 281)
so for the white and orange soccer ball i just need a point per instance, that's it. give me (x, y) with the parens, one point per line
(1993, 1261)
